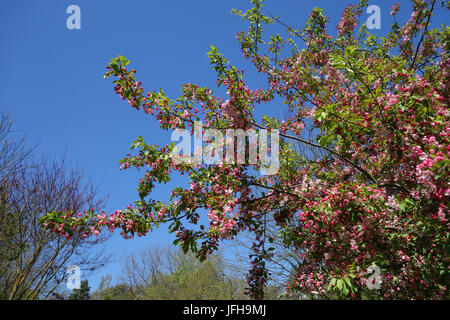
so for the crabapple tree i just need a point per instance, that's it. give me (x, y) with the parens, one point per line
(375, 193)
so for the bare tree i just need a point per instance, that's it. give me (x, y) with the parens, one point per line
(33, 261)
(13, 151)
(169, 273)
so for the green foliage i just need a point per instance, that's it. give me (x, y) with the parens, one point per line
(196, 280)
(179, 276)
(82, 293)
(118, 292)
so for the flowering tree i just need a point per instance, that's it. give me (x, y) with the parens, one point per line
(376, 196)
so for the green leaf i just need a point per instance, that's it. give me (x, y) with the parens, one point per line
(332, 283)
(347, 282)
(345, 291)
(339, 284)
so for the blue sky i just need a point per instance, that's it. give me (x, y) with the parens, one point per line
(51, 78)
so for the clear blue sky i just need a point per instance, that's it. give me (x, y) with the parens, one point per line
(51, 78)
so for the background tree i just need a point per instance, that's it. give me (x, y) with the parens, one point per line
(33, 260)
(168, 273)
(119, 291)
(82, 293)
(107, 291)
